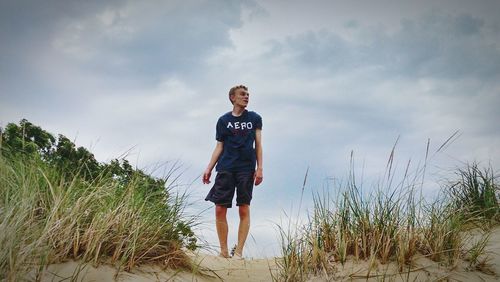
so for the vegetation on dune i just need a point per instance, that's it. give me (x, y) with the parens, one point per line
(475, 191)
(57, 203)
(393, 223)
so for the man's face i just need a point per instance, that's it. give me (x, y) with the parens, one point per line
(241, 97)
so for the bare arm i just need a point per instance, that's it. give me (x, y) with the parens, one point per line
(213, 160)
(259, 174)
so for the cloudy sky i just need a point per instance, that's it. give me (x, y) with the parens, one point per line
(328, 77)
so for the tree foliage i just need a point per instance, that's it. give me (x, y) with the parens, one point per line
(30, 141)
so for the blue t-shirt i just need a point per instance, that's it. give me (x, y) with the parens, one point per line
(238, 135)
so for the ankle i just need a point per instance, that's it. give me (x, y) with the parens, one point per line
(238, 250)
(224, 255)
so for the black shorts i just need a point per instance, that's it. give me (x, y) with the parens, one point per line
(226, 183)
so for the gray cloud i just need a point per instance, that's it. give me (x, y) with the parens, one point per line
(114, 43)
(143, 40)
(442, 46)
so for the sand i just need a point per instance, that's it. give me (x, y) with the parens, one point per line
(213, 268)
(209, 268)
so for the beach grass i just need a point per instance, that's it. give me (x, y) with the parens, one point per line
(48, 217)
(392, 223)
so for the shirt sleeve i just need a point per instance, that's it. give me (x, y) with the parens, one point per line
(258, 122)
(219, 136)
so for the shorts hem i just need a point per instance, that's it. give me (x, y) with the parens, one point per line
(227, 205)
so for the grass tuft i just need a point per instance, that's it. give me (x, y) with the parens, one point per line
(47, 218)
(392, 223)
(476, 192)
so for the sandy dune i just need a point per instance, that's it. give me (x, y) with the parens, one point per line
(209, 268)
(212, 268)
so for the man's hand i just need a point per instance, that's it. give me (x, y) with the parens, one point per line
(258, 176)
(206, 176)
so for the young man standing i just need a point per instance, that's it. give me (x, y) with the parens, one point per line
(236, 159)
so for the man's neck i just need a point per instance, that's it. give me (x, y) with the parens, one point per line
(238, 111)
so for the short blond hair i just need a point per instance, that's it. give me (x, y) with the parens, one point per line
(233, 89)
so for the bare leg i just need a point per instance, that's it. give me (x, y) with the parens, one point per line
(222, 229)
(244, 227)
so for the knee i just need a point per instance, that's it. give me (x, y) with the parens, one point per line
(244, 211)
(220, 212)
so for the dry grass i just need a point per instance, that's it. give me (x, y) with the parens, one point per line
(45, 219)
(393, 223)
